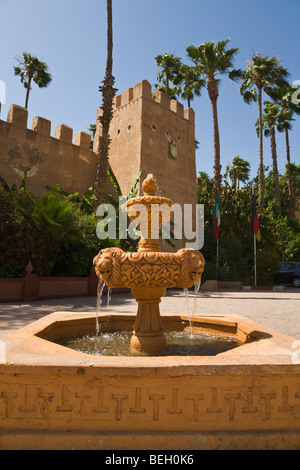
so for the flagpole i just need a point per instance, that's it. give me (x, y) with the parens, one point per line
(217, 217)
(217, 259)
(255, 278)
(254, 243)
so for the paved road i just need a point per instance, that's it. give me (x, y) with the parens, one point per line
(278, 310)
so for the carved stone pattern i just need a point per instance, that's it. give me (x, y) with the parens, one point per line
(118, 269)
(199, 405)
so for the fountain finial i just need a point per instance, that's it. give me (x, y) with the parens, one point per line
(149, 186)
(148, 242)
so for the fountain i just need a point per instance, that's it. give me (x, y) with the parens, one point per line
(55, 397)
(149, 272)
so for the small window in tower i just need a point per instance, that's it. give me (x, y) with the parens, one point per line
(129, 128)
(154, 127)
(118, 132)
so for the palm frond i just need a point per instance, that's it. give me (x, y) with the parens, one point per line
(114, 181)
(133, 187)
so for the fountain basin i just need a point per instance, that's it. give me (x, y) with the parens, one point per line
(52, 397)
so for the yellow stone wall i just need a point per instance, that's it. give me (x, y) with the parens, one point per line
(51, 160)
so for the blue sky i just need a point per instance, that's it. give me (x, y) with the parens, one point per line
(70, 36)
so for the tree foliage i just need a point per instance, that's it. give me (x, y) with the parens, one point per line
(280, 235)
(31, 69)
(263, 74)
(238, 172)
(55, 231)
(213, 60)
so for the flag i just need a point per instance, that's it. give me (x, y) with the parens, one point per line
(254, 220)
(217, 216)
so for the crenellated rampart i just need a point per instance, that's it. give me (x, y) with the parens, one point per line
(143, 90)
(52, 159)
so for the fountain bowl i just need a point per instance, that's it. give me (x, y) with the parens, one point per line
(52, 397)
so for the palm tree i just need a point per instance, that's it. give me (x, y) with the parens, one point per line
(52, 214)
(191, 83)
(262, 74)
(239, 171)
(92, 130)
(108, 93)
(204, 180)
(173, 92)
(30, 68)
(283, 96)
(211, 60)
(286, 126)
(169, 72)
(270, 120)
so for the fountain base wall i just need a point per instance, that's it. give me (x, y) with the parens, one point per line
(52, 397)
(217, 440)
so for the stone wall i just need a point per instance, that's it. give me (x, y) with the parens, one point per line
(51, 160)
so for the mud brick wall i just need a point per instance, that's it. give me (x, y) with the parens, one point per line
(51, 160)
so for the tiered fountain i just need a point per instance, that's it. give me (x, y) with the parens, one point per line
(149, 272)
(55, 397)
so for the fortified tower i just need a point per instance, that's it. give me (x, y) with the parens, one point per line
(152, 133)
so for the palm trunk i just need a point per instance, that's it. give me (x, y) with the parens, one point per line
(28, 91)
(108, 93)
(217, 157)
(291, 189)
(261, 177)
(213, 95)
(275, 168)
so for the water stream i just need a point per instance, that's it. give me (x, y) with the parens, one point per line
(100, 287)
(197, 285)
(109, 289)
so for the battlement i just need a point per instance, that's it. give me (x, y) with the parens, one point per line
(143, 90)
(18, 116)
(59, 159)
